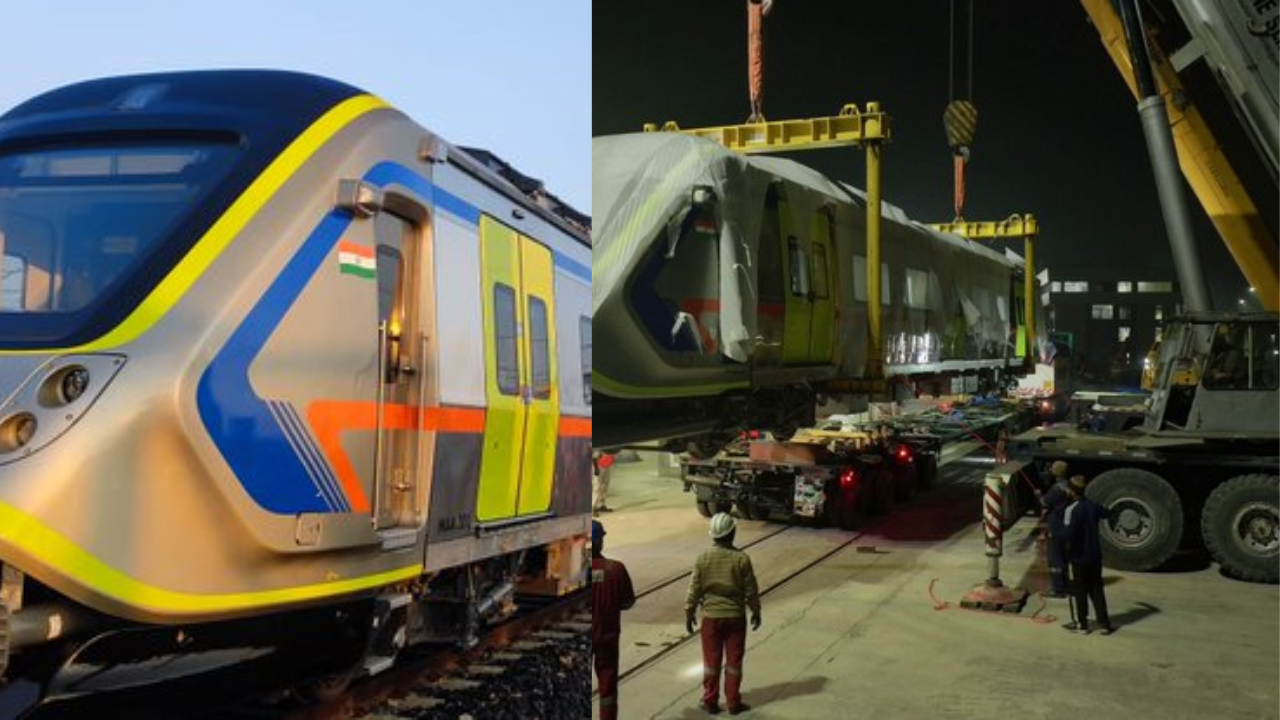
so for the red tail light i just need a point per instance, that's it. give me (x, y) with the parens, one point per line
(903, 453)
(848, 479)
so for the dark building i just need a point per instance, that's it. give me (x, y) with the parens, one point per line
(1111, 316)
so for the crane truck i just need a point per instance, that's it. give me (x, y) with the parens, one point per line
(1203, 468)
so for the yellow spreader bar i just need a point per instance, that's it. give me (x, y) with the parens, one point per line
(851, 127)
(1015, 227)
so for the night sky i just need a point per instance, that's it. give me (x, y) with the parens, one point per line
(1058, 131)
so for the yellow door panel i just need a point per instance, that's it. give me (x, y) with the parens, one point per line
(822, 290)
(542, 414)
(797, 310)
(505, 417)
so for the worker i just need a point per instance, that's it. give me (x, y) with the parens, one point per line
(601, 474)
(611, 593)
(1081, 518)
(756, 10)
(724, 586)
(1055, 502)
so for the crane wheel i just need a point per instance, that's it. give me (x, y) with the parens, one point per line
(1239, 524)
(1145, 527)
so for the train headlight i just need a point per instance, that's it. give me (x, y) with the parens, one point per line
(64, 386)
(16, 431)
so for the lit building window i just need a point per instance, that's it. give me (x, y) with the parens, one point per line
(1124, 286)
(1124, 312)
(1162, 286)
(1075, 286)
(1159, 313)
(1122, 333)
(1103, 312)
(1055, 287)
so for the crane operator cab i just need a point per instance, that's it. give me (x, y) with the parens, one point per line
(1218, 373)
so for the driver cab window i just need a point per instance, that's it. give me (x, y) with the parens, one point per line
(1243, 357)
(677, 293)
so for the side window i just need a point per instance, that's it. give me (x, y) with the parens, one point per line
(1266, 358)
(799, 268)
(860, 280)
(917, 293)
(584, 335)
(539, 349)
(13, 284)
(390, 306)
(820, 287)
(504, 328)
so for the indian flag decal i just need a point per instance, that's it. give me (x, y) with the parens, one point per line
(356, 260)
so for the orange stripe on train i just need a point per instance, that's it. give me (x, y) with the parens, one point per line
(329, 419)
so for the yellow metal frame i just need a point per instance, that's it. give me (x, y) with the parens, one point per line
(1204, 165)
(1014, 227)
(852, 127)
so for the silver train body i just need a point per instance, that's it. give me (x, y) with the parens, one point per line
(268, 344)
(728, 288)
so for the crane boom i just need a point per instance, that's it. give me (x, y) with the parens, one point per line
(1203, 163)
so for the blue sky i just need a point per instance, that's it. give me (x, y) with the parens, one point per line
(512, 77)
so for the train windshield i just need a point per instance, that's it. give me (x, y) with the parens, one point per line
(77, 222)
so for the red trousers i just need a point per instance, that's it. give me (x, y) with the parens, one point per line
(723, 638)
(606, 661)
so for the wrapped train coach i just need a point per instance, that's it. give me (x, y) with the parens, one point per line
(728, 289)
(286, 379)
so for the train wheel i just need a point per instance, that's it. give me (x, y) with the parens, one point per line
(326, 688)
(1145, 527)
(1239, 524)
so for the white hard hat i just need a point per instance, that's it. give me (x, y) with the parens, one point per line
(721, 525)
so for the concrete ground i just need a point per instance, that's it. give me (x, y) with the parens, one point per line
(881, 635)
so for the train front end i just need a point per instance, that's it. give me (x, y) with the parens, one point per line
(142, 220)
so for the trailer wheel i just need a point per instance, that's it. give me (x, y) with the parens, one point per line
(926, 470)
(751, 510)
(704, 508)
(882, 490)
(1239, 524)
(1145, 527)
(847, 509)
(906, 482)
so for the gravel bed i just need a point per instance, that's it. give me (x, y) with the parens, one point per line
(551, 682)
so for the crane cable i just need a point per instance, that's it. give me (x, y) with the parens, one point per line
(961, 116)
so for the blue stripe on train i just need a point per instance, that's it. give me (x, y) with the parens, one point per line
(249, 435)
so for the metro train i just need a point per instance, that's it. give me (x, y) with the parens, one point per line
(288, 380)
(729, 290)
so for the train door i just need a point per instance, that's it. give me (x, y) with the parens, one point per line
(798, 306)
(1019, 314)
(821, 289)
(400, 377)
(522, 416)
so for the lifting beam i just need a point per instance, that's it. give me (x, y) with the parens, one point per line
(852, 127)
(1014, 227)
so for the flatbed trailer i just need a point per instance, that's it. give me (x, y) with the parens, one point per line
(831, 477)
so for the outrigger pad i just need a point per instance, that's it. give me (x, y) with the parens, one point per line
(995, 598)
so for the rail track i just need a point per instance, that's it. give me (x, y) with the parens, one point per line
(439, 683)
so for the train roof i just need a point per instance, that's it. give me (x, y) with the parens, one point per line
(640, 181)
(263, 110)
